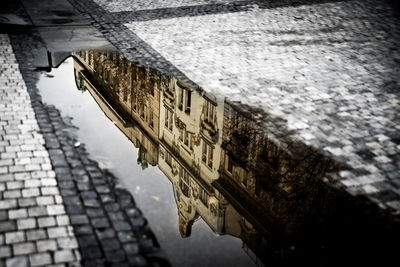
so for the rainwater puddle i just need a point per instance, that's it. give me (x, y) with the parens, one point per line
(188, 216)
(215, 188)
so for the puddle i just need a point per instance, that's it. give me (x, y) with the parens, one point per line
(215, 188)
(132, 155)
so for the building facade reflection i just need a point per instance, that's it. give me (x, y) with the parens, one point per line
(175, 127)
(223, 167)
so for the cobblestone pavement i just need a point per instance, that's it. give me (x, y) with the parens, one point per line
(57, 206)
(34, 227)
(329, 69)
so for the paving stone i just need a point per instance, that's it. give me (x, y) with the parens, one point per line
(110, 244)
(40, 259)
(12, 194)
(24, 248)
(131, 249)
(100, 222)
(31, 192)
(115, 256)
(50, 191)
(38, 211)
(7, 226)
(45, 200)
(126, 236)
(67, 243)
(63, 220)
(36, 234)
(15, 237)
(34, 183)
(79, 219)
(92, 252)
(46, 221)
(23, 224)
(83, 230)
(17, 214)
(56, 209)
(46, 245)
(56, 232)
(27, 202)
(63, 256)
(14, 185)
(5, 252)
(21, 261)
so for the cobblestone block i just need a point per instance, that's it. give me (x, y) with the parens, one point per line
(15, 237)
(24, 248)
(100, 222)
(46, 222)
(79, 219)
(31, 192)
(131, 249)
(126, 236)
(58, 199)
(50, 191)
(6, 177)
(37, 234)
(22, 176)
(7, 226)
(17, 214)
(27, 202)
(46, 245)
(14, 185)
(38, 211)
(21, 261)
(32, 183)
(5, 251)
(63, 256)
(63, 220)
(48, 182)
(83, 230)
(56, 232)
(67, 243)
(94, 213)
(24, 224)
(40, 259)
(115, 256)
(12, 194)
(45, 200)
(56, 209)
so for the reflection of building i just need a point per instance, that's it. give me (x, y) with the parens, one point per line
(128, 95)
(189, 153)
(151, 109)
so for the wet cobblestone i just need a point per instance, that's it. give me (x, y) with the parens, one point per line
(25, 180)
(323, 73)
(65, 193)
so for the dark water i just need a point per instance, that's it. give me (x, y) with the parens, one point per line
(216, 188)
(152, 190)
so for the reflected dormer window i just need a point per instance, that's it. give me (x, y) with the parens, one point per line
(185, 98)
(210, 112)
(207, 154)
(184, 182)
(203, 196)
(168, 119)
